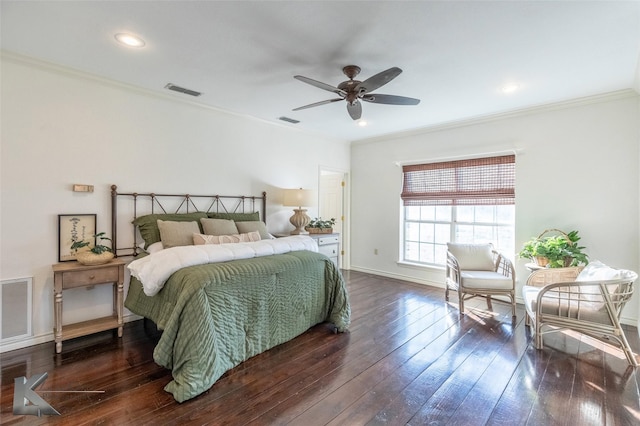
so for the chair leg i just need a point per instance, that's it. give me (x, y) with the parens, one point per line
(538, 337)
(446, 293)
(626, 348)
(513, 304)
(489, 302)
(461, 301)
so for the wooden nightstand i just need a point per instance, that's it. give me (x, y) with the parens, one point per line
(72, 275)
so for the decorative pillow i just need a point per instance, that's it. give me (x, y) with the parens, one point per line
(200, 239)
(598, 271)
(257, 225)
(237, 217)
(219, 227)
(175, 234)
(148, 224)
(473, 257)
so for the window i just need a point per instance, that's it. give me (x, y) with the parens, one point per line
(470, 201)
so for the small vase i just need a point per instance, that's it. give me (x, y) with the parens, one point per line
(90, 258)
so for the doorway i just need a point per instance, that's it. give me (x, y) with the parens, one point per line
(332, 196)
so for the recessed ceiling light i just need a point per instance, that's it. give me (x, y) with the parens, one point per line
(362, 123)
(510, 88)
(129, 40)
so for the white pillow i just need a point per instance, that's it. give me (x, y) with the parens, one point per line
(598, 271)
(473, 257)
(155, 247)
(200, 239)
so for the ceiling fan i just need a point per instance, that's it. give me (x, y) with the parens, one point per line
(353, 90)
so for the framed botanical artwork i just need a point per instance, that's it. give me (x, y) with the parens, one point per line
(72, 228)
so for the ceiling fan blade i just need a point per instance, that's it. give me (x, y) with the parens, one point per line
(390, 99)
(328, 101)
(320, 85)
(378, 80)
(355, 109)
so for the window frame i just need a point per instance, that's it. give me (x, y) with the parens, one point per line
(476, 182)
(453, 224)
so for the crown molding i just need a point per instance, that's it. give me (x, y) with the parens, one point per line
(538, 109)
(19, 59)
(571, 103)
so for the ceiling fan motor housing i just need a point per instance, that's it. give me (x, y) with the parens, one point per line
(351, 71)
(354, 90)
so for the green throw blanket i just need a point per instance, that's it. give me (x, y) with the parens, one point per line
(216, 316)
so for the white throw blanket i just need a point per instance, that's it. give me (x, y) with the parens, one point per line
(155, 269)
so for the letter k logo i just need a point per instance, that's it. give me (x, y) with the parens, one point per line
(26, 401)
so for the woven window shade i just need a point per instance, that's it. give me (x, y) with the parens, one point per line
(479, 181)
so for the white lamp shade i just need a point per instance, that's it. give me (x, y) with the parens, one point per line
(298, 197)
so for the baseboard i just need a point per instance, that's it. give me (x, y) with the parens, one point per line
(47, 337)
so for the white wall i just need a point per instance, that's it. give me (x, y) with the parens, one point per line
(577, 168)
(60, 127)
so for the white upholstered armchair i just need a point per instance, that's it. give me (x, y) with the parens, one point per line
(588, 300)
(478, 270)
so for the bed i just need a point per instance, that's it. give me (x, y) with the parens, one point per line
(221, 303)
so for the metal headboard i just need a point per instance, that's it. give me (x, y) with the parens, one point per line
(149, 203)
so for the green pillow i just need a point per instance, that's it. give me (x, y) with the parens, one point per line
(219, 226)
(148, 224)
(237, 217)
(250, 226)
(177, 233)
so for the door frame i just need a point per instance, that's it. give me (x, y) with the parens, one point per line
(345, 262)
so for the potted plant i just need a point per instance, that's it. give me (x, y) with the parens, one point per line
(555, 251)
(319, 226)
(96, 255)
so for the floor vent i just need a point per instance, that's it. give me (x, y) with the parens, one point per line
(289, 120)
(15, 309)
(182, 90)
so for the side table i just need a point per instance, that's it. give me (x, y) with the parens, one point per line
(67, 275)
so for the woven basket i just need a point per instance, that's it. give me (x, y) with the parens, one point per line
(556, 231)
(541, 261)
(567, 260)
(90, 258)
(319, 230)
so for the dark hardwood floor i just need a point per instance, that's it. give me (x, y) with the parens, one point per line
(409, 358)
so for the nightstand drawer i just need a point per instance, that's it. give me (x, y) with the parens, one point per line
(327, 240)
(72, 279)
(329, 250)
(329, 245)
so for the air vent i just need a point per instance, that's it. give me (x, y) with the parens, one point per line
(289, 120)
(182, 90)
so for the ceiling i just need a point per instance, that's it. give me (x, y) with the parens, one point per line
(456, 56)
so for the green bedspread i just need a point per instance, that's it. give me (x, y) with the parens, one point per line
(218, 315)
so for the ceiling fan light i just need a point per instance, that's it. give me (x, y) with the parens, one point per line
(129, 40)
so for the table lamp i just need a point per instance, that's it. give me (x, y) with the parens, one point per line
(298, 198)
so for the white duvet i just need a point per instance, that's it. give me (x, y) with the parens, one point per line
(155, 269)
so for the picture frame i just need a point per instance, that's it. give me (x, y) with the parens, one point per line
(72, 228)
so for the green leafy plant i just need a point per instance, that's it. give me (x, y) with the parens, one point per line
(322, 224)
(560, 250)
(97, 249)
